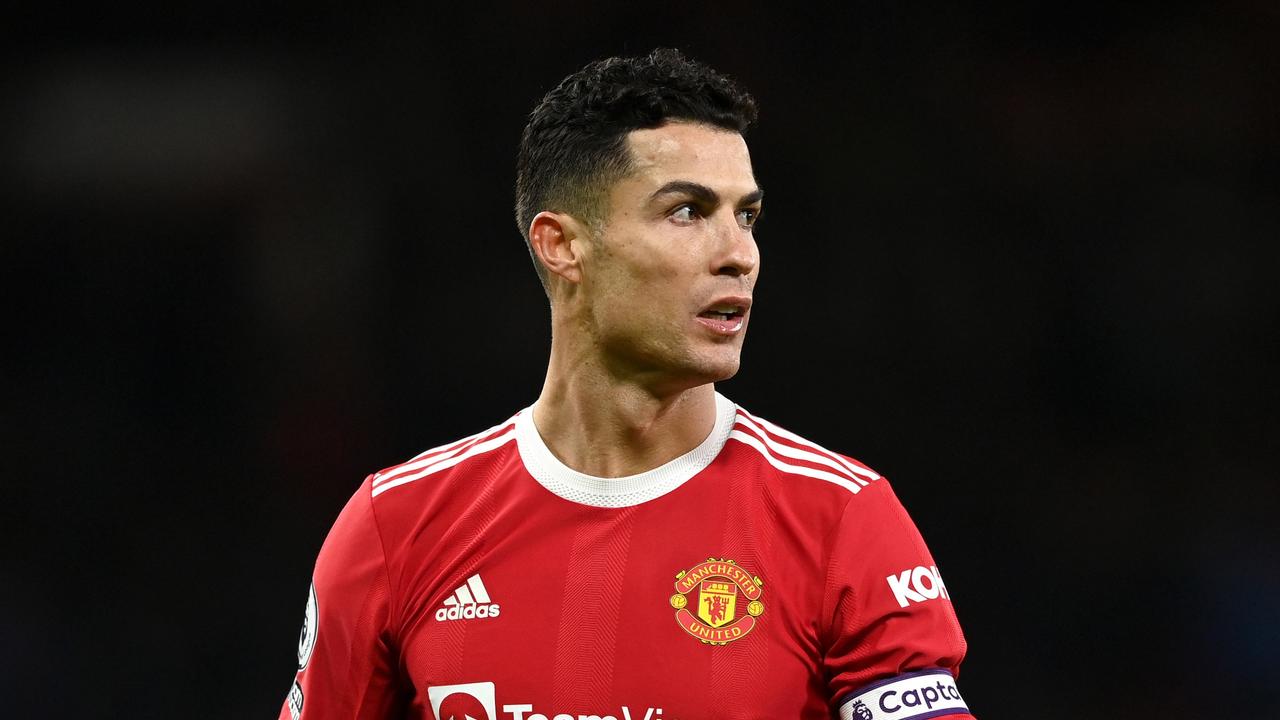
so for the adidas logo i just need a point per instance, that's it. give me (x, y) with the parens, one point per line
(468, 602)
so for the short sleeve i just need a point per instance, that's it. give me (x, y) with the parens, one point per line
(893, 644)
(345, 664)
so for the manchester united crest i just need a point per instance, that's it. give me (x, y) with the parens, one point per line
(725, 601)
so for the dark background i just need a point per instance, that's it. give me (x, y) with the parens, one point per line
(1022, 261)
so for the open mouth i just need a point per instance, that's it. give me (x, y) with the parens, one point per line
(726, 313)
(725, 318)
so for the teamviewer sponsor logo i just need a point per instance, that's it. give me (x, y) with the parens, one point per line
(478, 701)
(915, 696)
(464, 699)
(470, 601)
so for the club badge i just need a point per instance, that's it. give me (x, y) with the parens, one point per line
(719, 615)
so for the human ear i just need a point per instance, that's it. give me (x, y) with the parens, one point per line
(551, 237)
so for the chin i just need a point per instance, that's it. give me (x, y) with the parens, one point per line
(695, 367)
(718, 369)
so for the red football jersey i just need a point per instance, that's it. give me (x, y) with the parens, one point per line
(757, 576)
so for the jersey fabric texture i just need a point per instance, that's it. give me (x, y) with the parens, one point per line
(757, 576)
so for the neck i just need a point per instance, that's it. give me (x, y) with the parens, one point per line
(608, 426)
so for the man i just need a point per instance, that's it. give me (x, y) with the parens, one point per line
(634, 545)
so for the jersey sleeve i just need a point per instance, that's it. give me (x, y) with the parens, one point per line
(346, 667)
(893, 644)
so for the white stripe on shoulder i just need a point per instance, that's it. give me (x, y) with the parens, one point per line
(454, 445)
(783, 432)
(431, 469)
(754, 442)
(435, 455)
(798, 454)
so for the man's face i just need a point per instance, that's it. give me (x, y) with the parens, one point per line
(669, 282)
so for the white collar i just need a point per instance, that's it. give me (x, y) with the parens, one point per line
(619, 492)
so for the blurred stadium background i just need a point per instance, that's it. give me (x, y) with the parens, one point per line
(1021, 260)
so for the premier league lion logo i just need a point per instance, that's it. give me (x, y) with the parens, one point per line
(310, 626)
(861, 711)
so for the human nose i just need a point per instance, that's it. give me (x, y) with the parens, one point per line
(736, 251)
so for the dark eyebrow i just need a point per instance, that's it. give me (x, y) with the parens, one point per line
(702, 193)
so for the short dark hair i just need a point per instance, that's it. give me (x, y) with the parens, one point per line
(574, 147)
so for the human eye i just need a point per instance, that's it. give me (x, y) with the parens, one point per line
(747, 217)
(685, 213)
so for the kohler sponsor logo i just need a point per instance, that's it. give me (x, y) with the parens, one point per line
(917, 585)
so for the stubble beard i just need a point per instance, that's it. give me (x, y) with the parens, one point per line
(668, 366)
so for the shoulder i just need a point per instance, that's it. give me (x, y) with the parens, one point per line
(429, 468)
(797, 461)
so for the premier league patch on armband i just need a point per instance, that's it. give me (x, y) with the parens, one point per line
(914, 696)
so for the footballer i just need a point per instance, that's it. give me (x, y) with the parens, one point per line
(633, 545)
